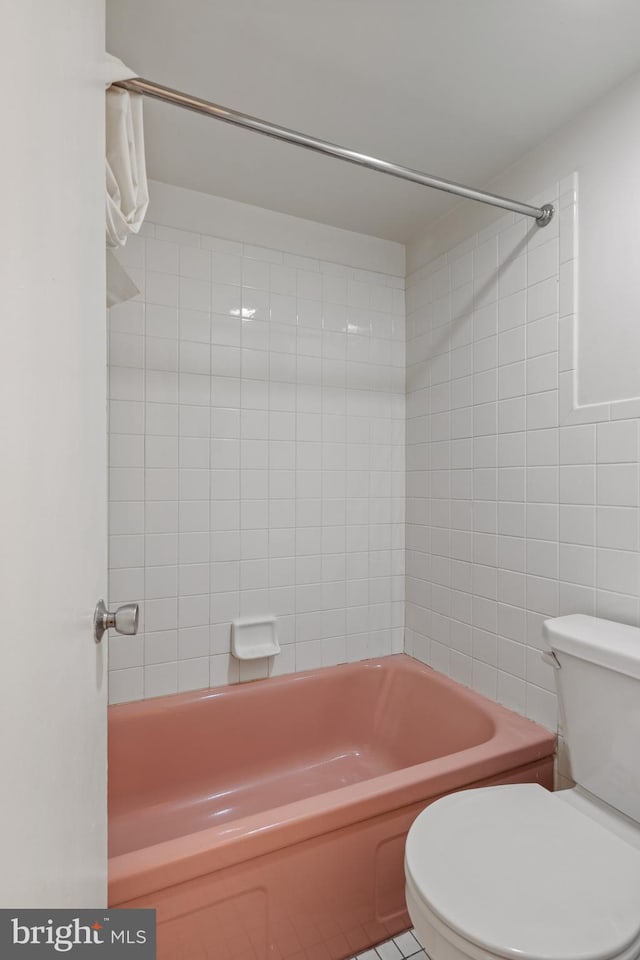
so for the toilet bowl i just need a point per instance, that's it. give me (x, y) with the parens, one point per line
(518, 872)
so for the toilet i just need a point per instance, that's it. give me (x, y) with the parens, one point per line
(519, 872)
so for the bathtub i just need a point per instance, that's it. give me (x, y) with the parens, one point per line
(267, 820)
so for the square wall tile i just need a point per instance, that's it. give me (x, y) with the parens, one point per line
(257, 457)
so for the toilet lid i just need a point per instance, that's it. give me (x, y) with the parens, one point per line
(524, 875)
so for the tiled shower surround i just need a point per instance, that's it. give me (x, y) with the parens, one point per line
(257, 419)
(257, 461)
(520, 506)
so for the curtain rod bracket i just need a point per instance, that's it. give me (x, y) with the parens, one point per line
(546, 216)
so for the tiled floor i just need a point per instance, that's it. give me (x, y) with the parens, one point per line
(403, 946)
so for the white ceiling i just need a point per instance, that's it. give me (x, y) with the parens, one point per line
(457, 88)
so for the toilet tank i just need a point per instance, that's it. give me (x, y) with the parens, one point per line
(599, 692)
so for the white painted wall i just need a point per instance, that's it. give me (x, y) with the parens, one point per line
(257, 443)
(603, 146)
(53, 478)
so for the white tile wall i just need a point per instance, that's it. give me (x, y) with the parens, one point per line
(520, 505)
(256, 460)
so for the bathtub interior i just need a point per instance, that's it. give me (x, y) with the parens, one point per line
(200, 760)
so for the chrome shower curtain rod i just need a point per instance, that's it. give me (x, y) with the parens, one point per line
(542, 215)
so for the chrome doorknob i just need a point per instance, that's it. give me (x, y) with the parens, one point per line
(123, 620)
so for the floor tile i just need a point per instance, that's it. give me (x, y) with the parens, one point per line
(389, 951)
(404, 946)
(407, 944)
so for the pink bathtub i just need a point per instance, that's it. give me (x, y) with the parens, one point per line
(267, 821)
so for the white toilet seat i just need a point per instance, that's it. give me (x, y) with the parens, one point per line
(511, 872)
(441, 942)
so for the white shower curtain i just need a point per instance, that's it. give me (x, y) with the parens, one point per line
(127, 195)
